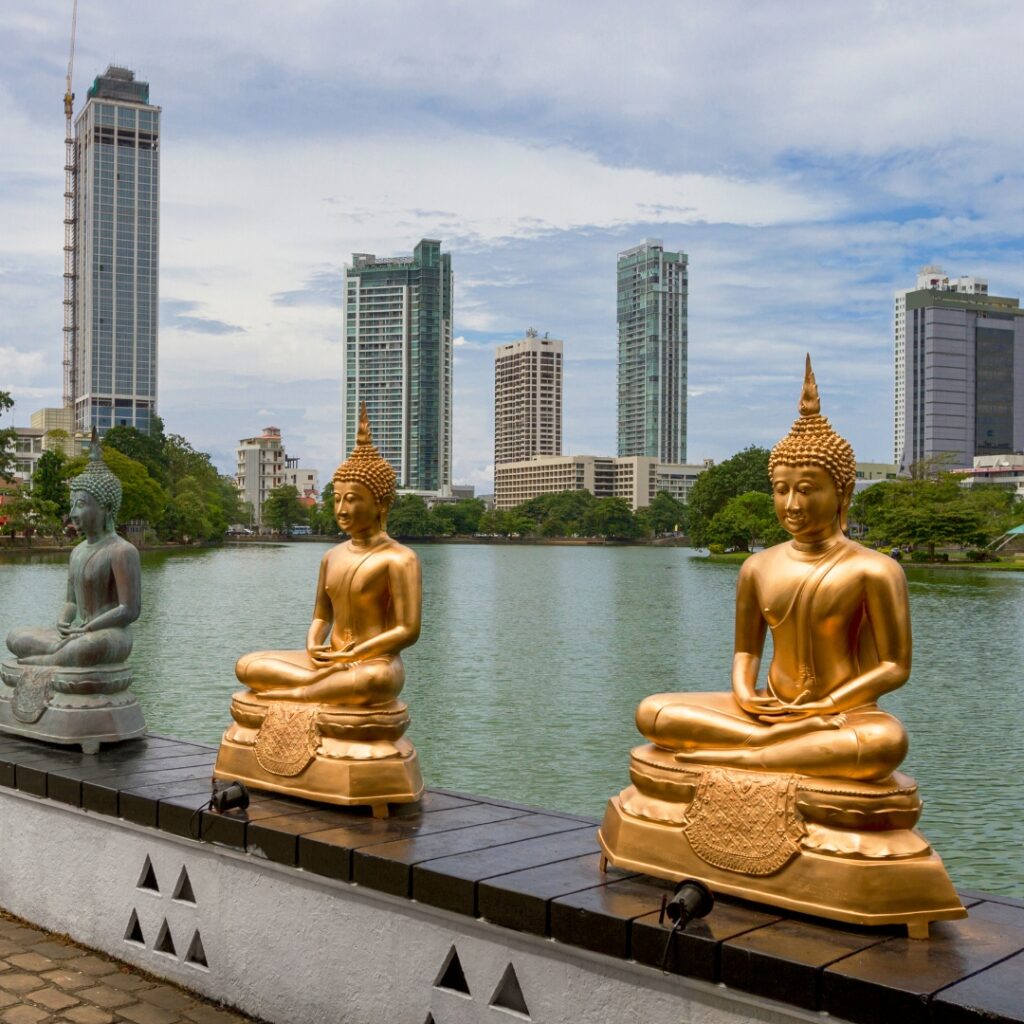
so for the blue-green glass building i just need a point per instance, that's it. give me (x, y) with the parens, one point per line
(651, 311)
(117, 249)
(398, 359)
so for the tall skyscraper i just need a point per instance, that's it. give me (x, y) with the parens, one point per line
(958, 371)
(527, 398)
(652, 301)
(398, 359)
(117, 220)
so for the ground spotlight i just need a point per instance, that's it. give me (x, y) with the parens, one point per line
(229, 796)
(692, 899)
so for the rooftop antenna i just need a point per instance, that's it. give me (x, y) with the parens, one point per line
(70, 185)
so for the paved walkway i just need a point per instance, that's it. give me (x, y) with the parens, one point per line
(47, 979)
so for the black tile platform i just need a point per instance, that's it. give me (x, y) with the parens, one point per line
(538, 872)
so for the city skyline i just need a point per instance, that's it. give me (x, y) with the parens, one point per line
(803, 193)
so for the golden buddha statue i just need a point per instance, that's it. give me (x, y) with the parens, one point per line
(325, 722)
(790, 794)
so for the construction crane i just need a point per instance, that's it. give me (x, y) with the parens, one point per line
(70, 202)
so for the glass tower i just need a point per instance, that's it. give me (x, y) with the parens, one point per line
(652, 301)
(117, 157)
(398, 359)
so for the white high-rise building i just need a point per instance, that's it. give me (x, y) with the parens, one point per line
(527, 398)
(117, 219)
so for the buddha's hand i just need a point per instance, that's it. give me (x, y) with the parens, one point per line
(318, 653)
(799, 709)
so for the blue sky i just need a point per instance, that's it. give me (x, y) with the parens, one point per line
(808, 158)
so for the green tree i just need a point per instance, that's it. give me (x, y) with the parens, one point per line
(467, 515)
(442, 520)
(146, 448)
(143, 498)
(28, 514)
(50, 482)
(745, 521)
(928, 511)
(8, 440)
(492, 522)
(612, 518)
(186, 516)
(410, 518)
(282, 509)
(665, 514)
(746, 471)
(562, 514)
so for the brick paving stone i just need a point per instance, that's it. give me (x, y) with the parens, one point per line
(88, 964)
(166, 997)
(70, 981)
(8, 999)
(8, 946)
(32, 962)
(52, 999)
(23, 1014)
(105, 996)
(203, 1013)
(125, 981)
(89, 1015)
(146, 1013)
(20, 982)
(56, 950)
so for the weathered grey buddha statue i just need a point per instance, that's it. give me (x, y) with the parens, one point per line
(325, 722)
(69, 683)
(789, 794)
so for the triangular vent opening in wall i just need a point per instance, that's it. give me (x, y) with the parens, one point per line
(452, 976)
(133, 933)
(164, 942)
(183, 888)
(196, 955)
(147, 879)
(509, 995)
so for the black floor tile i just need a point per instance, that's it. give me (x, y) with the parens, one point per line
(520, 900)
(895, 980)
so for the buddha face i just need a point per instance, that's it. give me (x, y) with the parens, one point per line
(355, 508)
(88, 515)
(807, 502)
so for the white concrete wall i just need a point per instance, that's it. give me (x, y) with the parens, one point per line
(295, 948)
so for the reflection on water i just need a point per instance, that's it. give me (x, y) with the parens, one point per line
(533, 659)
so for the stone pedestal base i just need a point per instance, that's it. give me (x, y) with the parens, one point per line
(828, 847)
(351, 756)
(71, 706)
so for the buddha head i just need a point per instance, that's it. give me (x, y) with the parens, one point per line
(95, 494)
(814, 461)
(364, 484)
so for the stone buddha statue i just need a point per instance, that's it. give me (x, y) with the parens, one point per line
(325, 722)
(68, 683)
(789, 793)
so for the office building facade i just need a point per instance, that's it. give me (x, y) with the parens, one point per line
(397, 358)
(652, 288)
(636, 478)
(117, 220)
(527, 398)
(959, 372)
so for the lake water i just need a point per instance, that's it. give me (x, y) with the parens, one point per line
(533, 659)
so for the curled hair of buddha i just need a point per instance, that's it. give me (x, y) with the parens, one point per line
(367, 467)
(811, 441)
(97, 479)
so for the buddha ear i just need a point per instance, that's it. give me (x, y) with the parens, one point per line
(844, 505)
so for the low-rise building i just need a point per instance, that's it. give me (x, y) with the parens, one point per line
(262, 465)
(637, 478)
(1005, 471)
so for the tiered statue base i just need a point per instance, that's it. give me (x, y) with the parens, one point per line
(73, 706)
(336, 755)
(833, 848)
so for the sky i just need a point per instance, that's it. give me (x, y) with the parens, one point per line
(808, 158)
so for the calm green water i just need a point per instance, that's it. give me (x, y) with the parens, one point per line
(533, 659)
